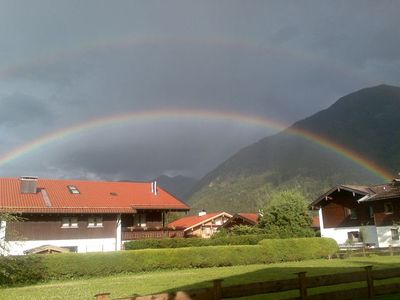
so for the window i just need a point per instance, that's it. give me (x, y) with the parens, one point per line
(395, 234)
(95, 222)
(69, 222)
(139, 220)
(352, 212)
(73, 189)
(354, 236)
(388, 207)
(371, 211)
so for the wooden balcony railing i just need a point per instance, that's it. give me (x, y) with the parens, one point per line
(129, 234)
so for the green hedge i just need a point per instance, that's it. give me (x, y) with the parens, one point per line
(70, 265)
(21, 270)
(195, 242)
(280, 250)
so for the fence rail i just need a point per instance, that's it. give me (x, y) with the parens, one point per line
(366, 251)
(302, 283)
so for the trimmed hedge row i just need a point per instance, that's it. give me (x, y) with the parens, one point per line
(281, 250)
(195, 242)
(21, 270)
(70, 265)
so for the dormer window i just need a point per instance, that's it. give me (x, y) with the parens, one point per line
(73, 189)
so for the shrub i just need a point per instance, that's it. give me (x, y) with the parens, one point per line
(267, 251)
(195, 242)
(71, 265)
(279, 250)
(21, 269)
(286, 216)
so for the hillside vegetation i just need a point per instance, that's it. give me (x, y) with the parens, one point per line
(365, 122)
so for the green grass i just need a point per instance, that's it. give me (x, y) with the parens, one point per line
(155, 282)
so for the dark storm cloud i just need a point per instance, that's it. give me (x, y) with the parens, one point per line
(279, 59)
(20, 109)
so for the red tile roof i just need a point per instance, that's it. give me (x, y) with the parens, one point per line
(94, 197)
(250, 216)
(192, 221)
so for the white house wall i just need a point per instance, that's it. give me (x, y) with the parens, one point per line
(385, 237)
(338, 234)
(83, 245)
(2, 237)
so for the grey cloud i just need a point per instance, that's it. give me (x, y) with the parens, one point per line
(20, 109)
(66, 62)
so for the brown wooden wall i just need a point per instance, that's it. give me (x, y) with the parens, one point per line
(48, 227)
(381, 217)
(153, 219)
(335, 211)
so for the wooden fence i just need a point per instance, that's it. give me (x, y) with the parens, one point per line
(367, 251)
(302, 283)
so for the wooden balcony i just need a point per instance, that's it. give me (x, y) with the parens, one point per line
(129, 233)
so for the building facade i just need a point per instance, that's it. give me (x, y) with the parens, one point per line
(361, 215)
(82, 216)
(241, 219)
(203, 225)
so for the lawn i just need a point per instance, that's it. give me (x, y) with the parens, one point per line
(154, 282)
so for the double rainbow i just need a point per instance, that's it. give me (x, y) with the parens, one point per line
(190, 115)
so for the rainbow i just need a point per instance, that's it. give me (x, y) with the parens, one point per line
(54, 56)
(190, 115)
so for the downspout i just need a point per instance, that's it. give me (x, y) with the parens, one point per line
(118, 240)
(321, 221)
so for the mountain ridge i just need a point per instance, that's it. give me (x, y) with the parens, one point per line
(363, 122)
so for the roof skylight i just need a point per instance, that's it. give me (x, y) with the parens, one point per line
(73, 189)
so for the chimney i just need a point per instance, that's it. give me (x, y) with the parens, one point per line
(154, 190)
(202, 213)
(28, 184)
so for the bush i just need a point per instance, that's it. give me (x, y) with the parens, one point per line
(195, 242)
(280, 250)
(21, 269)
(72, 265)
(287, 216)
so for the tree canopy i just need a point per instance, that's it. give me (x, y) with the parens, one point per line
(286, 215)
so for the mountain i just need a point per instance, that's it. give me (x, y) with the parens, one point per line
(179, 186)
(366, 121)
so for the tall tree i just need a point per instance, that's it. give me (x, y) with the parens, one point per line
(286, 215)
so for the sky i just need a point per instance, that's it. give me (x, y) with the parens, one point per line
(65, 63)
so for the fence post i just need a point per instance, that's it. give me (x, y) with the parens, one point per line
(102, 296)
(217, 289)
(302, 285)
(391, 250)
(370, 282)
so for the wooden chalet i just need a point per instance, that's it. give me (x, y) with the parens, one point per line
(247, 219)
(361, 215)
(203, 225)
(83, 216)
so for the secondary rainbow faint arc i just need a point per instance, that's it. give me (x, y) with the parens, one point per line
(186, 114)
(59, 55)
